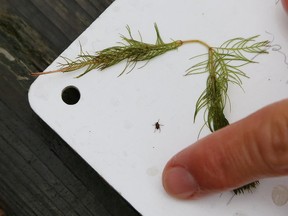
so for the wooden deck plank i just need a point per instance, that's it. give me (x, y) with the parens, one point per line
(39, 173)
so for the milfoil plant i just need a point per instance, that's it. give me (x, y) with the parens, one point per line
(223, 65)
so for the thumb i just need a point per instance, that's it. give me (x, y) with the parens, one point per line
(248, 150)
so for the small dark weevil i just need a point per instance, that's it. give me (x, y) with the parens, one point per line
(157, 126)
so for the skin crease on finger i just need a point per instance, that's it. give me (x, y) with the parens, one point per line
(245, 151)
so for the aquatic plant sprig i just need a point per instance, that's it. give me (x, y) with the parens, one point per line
(131, 50)
(222, 64)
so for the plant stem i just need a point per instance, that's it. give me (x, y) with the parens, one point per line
(196, 41)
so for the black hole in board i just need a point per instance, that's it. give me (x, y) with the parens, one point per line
(71, 95)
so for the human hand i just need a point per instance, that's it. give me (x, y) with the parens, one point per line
(248, 150)
(285, 5)
(253, 148)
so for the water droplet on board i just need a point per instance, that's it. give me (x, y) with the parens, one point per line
(239, 214)
(280, 195)
(152, 171)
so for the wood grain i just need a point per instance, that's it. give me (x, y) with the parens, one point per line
(39, 173)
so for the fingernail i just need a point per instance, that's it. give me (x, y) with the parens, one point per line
(180, 183)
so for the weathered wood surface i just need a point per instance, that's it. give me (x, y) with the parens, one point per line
(39, 173)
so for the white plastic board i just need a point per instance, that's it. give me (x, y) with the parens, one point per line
(111, 126)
